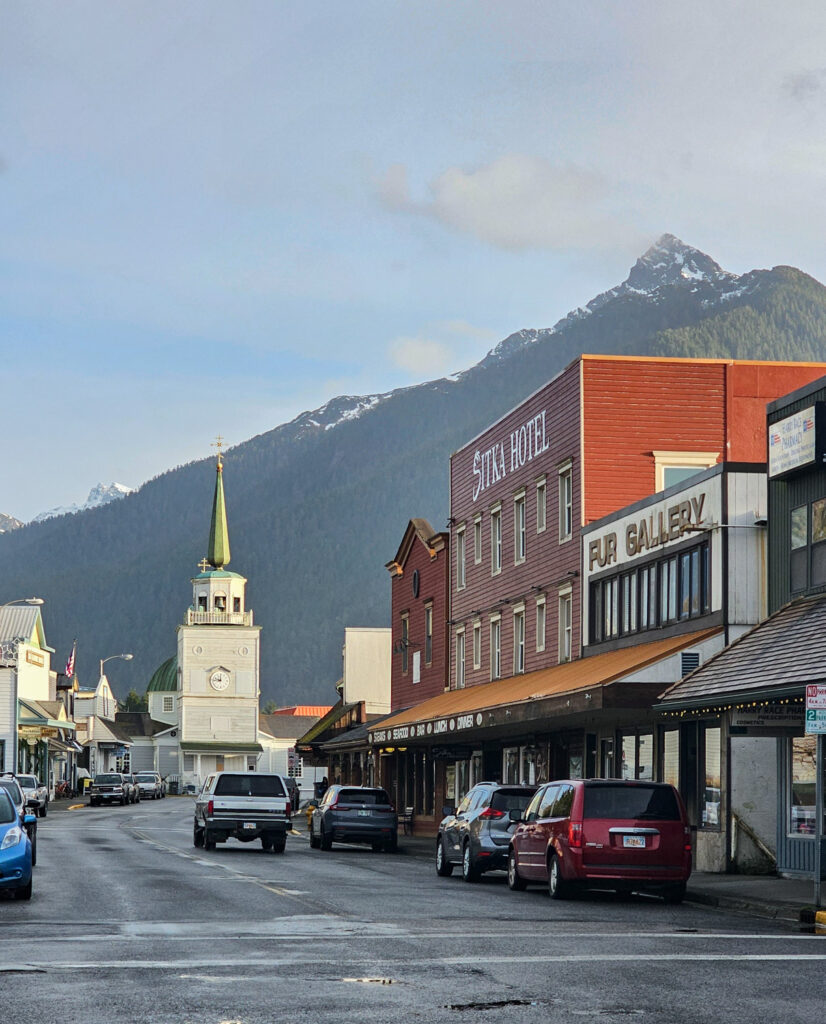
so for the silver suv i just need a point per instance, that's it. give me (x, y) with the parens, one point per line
(34, 790)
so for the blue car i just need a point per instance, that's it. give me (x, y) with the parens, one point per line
(15, 850)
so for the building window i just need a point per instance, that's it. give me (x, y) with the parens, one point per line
(710, 806)
(460, 558)
(496, 648)
(673, 467)
(168, 704)
(295, 766)
(220, 602)
(540, 623)
(202, 603)
(122, 763)
(477, 644)
(800, 549)
(236, 604)
(566, 502)
(671, 757)
(637, 753)
(519, 529)
(519, 641)
(629, 602)
(477, 540)
(610, 608)
(428, 634)
(405, 642)
(819, 542)
(496, 540)
(566, 623)
(460, 659)
(541, 505)
(189, 762)
(803, 780)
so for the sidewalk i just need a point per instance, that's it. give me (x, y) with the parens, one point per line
(780, 899)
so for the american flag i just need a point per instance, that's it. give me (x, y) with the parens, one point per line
(775, 439)
(70, 664)
(809, 423)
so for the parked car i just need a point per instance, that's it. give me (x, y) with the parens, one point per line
(603, 833)
(243, 806)
(354, 814)
(136, 789)
(33, 789)
(9, 783)
(293, 790)
(477, 834)
(15, 850)
(150, 786)
(109, 788)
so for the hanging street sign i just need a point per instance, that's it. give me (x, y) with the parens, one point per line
(815, 708)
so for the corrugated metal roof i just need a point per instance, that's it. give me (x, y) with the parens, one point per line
(582, 674)
(783, 652)
(336, 712)
(18, 620)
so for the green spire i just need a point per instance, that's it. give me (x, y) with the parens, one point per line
(218, 551)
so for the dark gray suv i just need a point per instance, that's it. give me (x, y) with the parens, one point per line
(477, 834)
(354, 814)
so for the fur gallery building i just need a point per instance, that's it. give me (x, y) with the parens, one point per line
(600, 535)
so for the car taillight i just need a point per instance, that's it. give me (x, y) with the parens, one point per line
(289, 808)
(210, 807)
(489, 812)
(575, 835)
(687, 834)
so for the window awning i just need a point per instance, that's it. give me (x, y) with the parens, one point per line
(449, 713)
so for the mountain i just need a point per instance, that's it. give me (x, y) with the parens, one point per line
(100, 494)
(318, 505)
(9, 523)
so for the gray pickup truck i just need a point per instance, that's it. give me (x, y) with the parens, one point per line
(244, 806)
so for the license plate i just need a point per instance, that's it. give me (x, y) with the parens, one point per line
(635, 841)
(364, 814)
(250, 824)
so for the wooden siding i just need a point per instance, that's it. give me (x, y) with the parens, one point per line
(547, 560)
(433, 587)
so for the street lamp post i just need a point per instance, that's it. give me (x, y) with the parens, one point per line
(124, 657)
(36, 601)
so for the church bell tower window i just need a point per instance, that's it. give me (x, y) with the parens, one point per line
(220, 602)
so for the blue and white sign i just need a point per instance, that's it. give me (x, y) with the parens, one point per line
(793, 441)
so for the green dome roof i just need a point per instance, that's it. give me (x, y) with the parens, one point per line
(165, 677)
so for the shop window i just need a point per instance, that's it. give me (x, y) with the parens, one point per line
(462, 778)
(460, 558)
(519, 529)
(637, 754)
(405, 643)
(477, 540)
(710, 806)
(610, 608)
(566, 502)
(629, 602)
(541, 505)
(476, 772)
(802, 776)
(529, 766)
(519, 641)
(428, 634)
(510, 765)
(671, 757)
(540, 624)
(122, 764)
(800, 545)
(566, 620)
(496, 541)
(477, 644)
(496, 648)
(819, 543)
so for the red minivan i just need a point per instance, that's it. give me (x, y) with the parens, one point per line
(603, 833)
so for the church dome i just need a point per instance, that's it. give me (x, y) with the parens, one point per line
(165, 677)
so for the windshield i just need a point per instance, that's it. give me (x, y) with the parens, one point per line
(27, 781)
(7, 811)
(107, 780)
(511, 800)
(15, 791)
(631, 802)
(249, 785)
(363, 796)
(146, 777)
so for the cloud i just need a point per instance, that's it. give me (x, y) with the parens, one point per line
(516, 202)
(421, 357)
(465, 330)
(804, 85)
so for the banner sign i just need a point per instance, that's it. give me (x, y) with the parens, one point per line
(797, 441)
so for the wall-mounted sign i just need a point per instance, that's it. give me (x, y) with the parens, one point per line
(766, 717)
(798, 440)
(526, 443)
(815, 708)
(650, 530)
(35, 658)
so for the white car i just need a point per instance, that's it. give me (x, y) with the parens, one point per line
(33, 789)
(150, 785)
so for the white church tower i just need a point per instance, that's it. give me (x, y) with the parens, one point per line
(218, 663)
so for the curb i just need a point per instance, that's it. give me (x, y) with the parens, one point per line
(756, 908)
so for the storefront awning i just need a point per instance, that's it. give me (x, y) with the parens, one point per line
(773, 660)
(221, 748)
(450, 713)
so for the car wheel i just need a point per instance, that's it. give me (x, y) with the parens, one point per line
(377, 845)
(675, 893)
(557, 886)
(325, 841)
(314, 843)
(197, 837)
(443, 866)
(392, 844)
(266, 844)
(25, 893)
(123, 801)
(209, 842)
(515, 881)
(34, 849)
(44, 810)
(470, 872)
(279, 845)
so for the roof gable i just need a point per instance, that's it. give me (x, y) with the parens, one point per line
(421, 529)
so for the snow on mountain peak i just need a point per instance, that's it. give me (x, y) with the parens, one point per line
(100, 494)
(670, 261)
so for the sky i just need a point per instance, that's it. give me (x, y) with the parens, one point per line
(214, 216)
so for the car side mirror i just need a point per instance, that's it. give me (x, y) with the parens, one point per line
(515, 814)
(32, 803)
(29, 819)
(447, 809)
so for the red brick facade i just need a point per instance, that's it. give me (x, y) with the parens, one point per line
(419, 574)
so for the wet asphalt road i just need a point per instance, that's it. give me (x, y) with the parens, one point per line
(130, 923)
